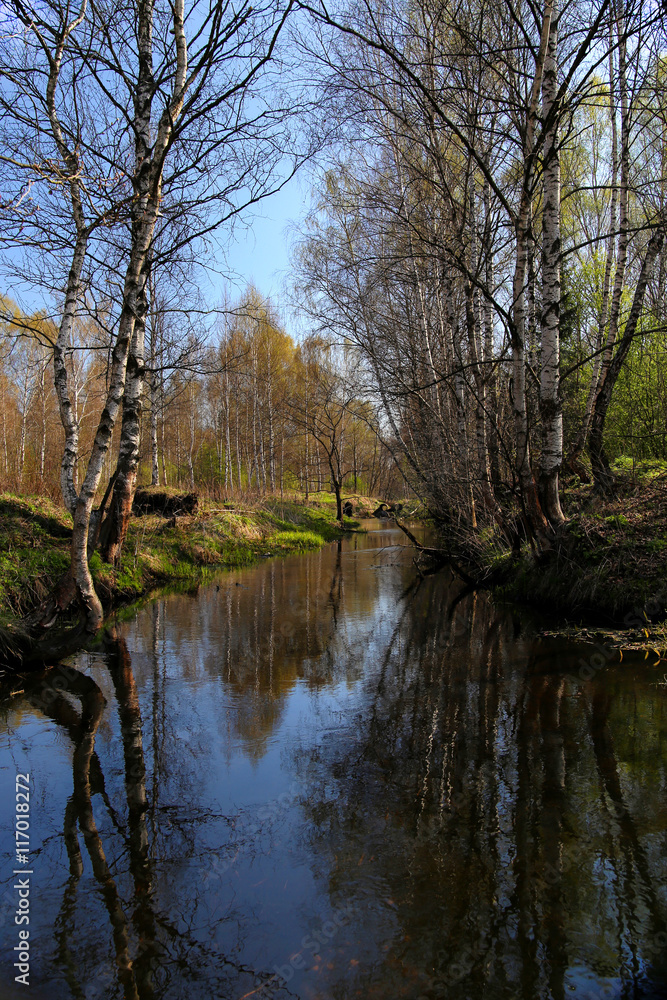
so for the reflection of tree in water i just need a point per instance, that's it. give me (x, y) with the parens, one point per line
(484, 816)
(143, 952)
(155, 938)
(263, 631)
(274, 632)
(482, 812)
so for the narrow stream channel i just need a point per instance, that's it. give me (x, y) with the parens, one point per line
(327, 778)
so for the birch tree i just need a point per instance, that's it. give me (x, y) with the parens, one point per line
(70, 190)
(199, 84)
(419, 76)
(242, 132)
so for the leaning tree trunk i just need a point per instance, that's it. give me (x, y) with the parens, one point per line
(60, 375)
(602, 475)
(551, 406)
(337, 490)
(148, 188)
(117, 522)
(582, 436)
(71, 161)
(88, 599)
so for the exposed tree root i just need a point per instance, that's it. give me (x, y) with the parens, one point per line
(444, 558)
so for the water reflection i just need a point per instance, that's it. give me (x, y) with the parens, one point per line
(517, 837)
(326, 778)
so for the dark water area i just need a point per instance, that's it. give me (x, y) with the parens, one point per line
(327, 778)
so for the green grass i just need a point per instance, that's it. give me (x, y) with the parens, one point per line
(35, 537)
(608, 561)
(34, 550)
(640, 469)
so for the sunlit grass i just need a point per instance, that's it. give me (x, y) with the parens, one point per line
(35, 544)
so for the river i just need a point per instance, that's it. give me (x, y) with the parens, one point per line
(328, 777)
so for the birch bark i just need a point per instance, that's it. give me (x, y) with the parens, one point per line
(72, 175)
(154, 382)
(148, 187)
(115, 527)
(551, 406)
(120, 507)
(524, 470)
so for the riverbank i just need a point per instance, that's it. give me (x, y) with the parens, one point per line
(36, 532)
(607, 567)
(606, 574)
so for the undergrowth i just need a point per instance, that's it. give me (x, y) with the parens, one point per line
(608, 560)
(35, 540)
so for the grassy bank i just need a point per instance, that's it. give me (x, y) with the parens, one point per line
(608, 564)
(35, 537)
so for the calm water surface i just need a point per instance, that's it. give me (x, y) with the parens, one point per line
(325, 778)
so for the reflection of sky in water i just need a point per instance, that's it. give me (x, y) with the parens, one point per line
(322, 737)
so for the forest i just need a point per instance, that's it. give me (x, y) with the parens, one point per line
(333, 615)
(475, 315)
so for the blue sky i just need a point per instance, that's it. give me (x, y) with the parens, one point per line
(259, 252)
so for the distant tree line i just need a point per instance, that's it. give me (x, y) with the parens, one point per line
(252, 413)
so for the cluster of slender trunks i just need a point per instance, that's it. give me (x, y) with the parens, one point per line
(127, 369)
(538, 495)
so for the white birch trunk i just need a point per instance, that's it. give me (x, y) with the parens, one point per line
(551, 406)
(115, 527)
(154, 382)
(518, 331)
(62, 345)
(148, 182)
